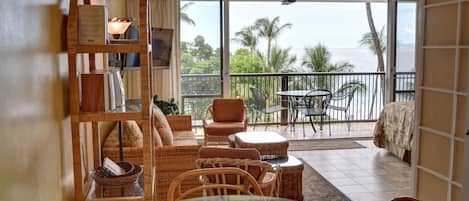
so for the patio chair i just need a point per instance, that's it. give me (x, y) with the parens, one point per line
(213, 182)
(228, 117)
(317, 106)
(344, 96)
(260, 106)
(247, 159)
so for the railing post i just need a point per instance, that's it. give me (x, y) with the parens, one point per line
(284, 114)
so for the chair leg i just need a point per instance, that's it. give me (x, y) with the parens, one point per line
(304, 135)
(322, 123)
(329, 126)
(347, 117)
(265, 123)
(312, 124)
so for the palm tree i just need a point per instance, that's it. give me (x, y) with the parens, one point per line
(281, 59)
(271, 30)
(375, 43)
(184, 16)
(317, 59)
(367, 41)
(247, 38)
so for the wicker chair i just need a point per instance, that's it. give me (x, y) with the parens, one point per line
(267, 175)
(213, 181)
(229, 117)
(317, 106)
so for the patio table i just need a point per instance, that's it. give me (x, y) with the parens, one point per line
(294, 96)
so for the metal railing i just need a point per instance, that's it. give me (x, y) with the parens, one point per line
(404, 86)
(199, 90)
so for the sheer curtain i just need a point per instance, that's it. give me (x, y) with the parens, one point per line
(165, 14)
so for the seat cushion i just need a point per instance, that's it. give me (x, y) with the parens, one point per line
(131, 137)
(161, 124)
(224, 128)
(228, 110)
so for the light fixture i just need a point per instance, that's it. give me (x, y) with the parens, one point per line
(287, 2)
(118, 26)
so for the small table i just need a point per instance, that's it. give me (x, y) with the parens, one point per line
(291, 186)
(269, 144)
(297, 94)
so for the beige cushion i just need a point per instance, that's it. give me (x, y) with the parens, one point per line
(161, 124)
(131, 137)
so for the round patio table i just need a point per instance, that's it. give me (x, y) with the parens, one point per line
(297, 94)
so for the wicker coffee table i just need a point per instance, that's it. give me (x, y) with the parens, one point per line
(267, 143)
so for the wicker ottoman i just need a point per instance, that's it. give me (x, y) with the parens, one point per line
(268, 143)
(291, 186)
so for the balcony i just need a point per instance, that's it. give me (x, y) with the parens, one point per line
(199, 90)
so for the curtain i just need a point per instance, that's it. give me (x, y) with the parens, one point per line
(166, 83)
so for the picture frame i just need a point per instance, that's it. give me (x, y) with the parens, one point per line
(162, 43)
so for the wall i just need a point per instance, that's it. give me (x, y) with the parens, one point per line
(443, 74)
(35, 147)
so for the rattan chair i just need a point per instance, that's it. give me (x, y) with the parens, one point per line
(344, 96)
(228, 117)
(266, 175)
(260, 106)
(213, 182)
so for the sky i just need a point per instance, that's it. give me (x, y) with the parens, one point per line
(338, 26)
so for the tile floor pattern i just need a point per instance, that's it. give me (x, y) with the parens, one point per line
(369, 174)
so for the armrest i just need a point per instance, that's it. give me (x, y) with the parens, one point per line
(180, 122)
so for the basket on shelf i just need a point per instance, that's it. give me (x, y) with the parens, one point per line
(104, 178)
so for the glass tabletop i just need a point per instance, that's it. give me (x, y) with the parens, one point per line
(237, 198)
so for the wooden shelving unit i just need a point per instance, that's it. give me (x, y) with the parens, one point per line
(85, 188)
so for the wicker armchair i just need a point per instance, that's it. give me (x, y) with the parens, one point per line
(213, 181)
(266, 175)
(228, 117)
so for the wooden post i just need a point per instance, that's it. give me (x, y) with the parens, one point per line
(284, 114)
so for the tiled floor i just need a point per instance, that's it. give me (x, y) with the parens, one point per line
(370, 174)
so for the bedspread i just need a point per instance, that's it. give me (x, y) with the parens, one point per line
(394, 128)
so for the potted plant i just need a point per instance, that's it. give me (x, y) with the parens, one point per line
(168, 107)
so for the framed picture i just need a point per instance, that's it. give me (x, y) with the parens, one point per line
(162, 42)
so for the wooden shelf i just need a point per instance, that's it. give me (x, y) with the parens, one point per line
(131, 111)
(109, 48)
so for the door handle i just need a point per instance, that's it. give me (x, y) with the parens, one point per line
(467, 132)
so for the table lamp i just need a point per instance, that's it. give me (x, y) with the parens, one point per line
(118, 26)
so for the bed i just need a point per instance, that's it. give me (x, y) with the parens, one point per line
(394, 129)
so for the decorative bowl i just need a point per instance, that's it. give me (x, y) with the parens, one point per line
(104, 178)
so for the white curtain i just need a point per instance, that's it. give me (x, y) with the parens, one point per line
(166, 83)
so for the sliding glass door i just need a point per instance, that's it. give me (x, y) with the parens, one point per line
(201, 54)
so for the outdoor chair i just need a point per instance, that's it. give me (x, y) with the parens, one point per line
(247, 159)
(213, 182)
(228, 117)
(260, 106)
(342, 99)
(316, 106)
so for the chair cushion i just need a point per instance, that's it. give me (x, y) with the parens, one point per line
(161, 124)
(131, 137)
(228, 110)
(224, 128)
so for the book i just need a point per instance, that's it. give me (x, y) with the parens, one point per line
(112, 167)
(119, 89)
(92, 24)
(94, 96)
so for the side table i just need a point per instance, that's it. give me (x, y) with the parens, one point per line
(291, 179)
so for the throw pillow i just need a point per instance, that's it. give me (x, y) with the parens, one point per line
(161, 124)
(131, 137)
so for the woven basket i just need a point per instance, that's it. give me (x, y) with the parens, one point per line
(133, 172)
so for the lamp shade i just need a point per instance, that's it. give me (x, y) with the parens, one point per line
(118, 25)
